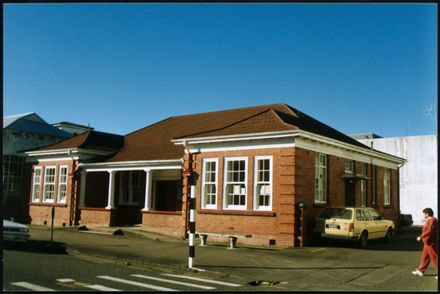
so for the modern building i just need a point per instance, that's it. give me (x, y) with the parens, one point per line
(262, 171)
(22, 132)
(418, 177)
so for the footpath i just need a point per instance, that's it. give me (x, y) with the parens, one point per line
(302, 269)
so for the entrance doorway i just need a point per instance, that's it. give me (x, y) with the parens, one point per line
(350, 192)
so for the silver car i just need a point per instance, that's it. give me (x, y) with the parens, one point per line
(13, 231)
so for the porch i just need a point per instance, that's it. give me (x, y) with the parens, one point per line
(122, 196)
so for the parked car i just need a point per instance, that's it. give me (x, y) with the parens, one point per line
(13, 231)
(358, 224)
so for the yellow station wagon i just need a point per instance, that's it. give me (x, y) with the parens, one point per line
(353, 223)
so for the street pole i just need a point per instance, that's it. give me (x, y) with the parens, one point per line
(192, 221)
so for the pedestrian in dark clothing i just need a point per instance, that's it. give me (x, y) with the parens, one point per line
(429, 239)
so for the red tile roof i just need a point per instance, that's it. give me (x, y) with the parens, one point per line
(154, 142)
(90, 140)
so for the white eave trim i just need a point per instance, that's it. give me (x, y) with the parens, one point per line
(132, 165)
(232, 138)
(67, 151)
(303, 139)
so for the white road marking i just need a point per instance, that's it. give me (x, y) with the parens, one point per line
(66, 280)
(203, 280)
(95, 287)
(136, 283)
(31, 286)
(175, 282)
(102, 288)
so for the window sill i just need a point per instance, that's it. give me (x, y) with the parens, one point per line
(237, 212)
(162, 212)
(49, 204)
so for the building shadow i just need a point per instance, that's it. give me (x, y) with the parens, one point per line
(36, 246)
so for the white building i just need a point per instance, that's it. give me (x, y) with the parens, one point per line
(418, 177)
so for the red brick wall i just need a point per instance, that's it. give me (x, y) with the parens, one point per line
(277, 224)
(166, 223)
(97, 217)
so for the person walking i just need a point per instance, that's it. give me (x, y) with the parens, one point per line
(429, 239)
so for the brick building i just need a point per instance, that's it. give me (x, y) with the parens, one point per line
(264, 171)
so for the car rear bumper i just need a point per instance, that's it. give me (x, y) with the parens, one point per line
(341, 237)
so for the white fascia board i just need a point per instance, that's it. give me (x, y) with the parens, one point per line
(49, 152)
(283, 142)
(66, 151)
(333, 147)
(298, 138)
(230, 138)
(132, 165)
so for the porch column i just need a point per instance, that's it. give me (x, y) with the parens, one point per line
(148, 184)
(82, 189)
(111, 190)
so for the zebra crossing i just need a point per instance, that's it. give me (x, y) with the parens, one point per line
(166, 282)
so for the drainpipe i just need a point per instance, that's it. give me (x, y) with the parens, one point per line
(373, 177)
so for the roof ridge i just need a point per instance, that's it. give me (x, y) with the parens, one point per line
(149, 126)
(230, 110)
(228, 125)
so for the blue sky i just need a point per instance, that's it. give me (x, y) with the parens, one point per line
(359, 68)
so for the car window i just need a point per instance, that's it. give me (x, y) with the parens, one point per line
(374, 214)
(333, 212)
(366, 215)
(358, 215)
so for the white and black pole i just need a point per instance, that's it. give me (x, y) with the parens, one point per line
(192, 221)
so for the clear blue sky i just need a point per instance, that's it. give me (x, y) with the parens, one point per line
(120, 67)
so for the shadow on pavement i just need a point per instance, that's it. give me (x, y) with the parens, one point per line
(36, 246)
(404, 240)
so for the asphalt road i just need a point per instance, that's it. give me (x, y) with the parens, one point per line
(87, 259)
(30, 269)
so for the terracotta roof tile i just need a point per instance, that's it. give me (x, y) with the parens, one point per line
(90, 140)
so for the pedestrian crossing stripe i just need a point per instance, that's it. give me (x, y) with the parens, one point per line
(94, 287)
(144, 285)
(175, 282)
(102, 288)
(33, 287)
(203, 280)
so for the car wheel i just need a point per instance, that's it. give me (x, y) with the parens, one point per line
(363, 240)
(389, 236)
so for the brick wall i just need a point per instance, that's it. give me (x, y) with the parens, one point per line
(166, 223)
(276, 225)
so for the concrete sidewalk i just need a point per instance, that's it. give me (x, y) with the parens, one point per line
(299, 268)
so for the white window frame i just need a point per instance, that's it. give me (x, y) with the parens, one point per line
(226, 183)
(257, 206)
(45, 199)
(349, 166)
(205, 182)
(34, 183)
(321, 194)
(130, 188)
(387, 187)
(363, 184)
(60, 183)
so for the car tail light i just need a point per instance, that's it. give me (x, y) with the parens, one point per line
(351, 227)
